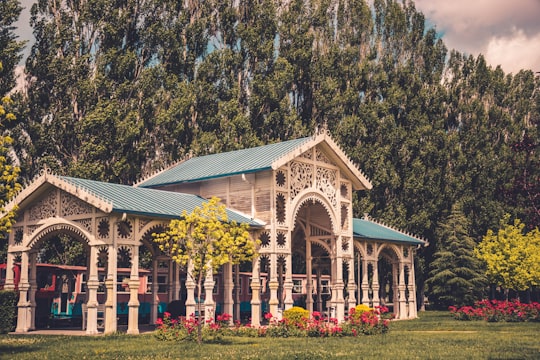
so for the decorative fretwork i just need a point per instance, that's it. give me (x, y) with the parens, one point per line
(345, 243)
(301, 177)
(31, 228)
(103, 228)
(103, 256)
(124, 257)
(265, 239)
(344, 189)
(18, 235)
(344, 217)
(280, 208)
(307, 154)
(125, 229)
(370, 249)
(321, 157)
(281, 239)
(281, 179)
(143, 223)
(264, 264)
(326, 183)
(86, 224)
(44, 208)
(406, 253)
(70, 205)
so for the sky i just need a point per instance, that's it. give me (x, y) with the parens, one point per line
(506, 32)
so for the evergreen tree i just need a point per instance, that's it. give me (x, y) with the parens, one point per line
(456, 275)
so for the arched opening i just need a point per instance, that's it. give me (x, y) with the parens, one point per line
(314, 269)
(388, 270)
(58, 257)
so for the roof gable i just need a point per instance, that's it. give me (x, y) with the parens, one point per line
(251, 160)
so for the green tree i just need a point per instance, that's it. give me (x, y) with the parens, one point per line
(9, 174)
(204, 240)
(456, 275)
(511, 255)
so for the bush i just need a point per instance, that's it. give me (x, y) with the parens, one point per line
(295, 323)
(495, 310)
(8, 311)
(296, 316)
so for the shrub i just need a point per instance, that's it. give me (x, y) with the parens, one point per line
(8, 311)
(295, 323)
(296, 316)
(495, 310)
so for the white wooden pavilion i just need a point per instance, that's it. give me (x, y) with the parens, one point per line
(295, 195)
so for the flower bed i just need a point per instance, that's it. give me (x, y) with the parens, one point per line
(295, 322)
(496, 310)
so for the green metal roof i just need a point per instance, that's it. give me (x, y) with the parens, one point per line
(150, 202)
(368, 229)
(225, 164)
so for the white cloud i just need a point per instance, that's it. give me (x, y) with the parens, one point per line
(489, 27)
(515, 52)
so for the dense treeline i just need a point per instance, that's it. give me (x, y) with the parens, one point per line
(113, 95)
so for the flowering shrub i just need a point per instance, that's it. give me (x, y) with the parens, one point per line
(495, 310)
(295, 322)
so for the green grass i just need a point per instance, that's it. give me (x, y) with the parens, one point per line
(435, 335)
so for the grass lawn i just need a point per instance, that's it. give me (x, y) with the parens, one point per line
(435, 335)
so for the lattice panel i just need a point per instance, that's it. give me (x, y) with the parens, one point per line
(18, 235)
(281, 239)
(73, 206)
(125, 229)
(103, 229)
(326, 183)
(344, 217)
(301, 177)
(86, 224)
(280, 208)
(321, 157)
(265, 239)
(45, 207)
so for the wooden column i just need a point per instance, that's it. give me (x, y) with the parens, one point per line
(255, 293)
(23, 314)
(92, 286)
(133, 304)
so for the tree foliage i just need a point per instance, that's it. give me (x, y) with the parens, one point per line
(511, 255)
(456, 274)
(204, 240)
(116, 95)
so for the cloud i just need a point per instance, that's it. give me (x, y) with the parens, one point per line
(504, 31)
(515, 52)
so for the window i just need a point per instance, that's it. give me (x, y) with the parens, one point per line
(325, 287)
(297, 286)
(83, 282)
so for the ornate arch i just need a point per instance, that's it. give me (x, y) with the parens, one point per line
(358, 246)
(390, 247)
(314, 196)
(146, 237)
(59, 225)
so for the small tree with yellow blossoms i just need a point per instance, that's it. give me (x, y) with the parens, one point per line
(204, 240)
(512, 257)
(8, 173)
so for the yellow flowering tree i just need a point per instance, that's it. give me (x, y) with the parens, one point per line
(512, 257)
(206, 239)
(8, 173)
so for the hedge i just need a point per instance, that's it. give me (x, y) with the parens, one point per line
(8, 311)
